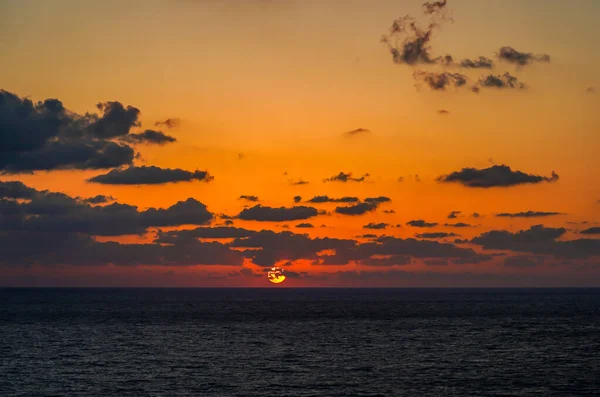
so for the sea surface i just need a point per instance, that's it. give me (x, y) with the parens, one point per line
(299, 342)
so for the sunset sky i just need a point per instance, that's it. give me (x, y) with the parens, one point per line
(201, 142)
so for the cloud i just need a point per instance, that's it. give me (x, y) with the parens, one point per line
(421, 223)
(442, 112)
(501, 81)
(592, 230)
(459, 224)
(434, 7)
(509, 54)
(527, 214)
(219, 232)
(538, 240)
(436, 235)
(346, 177)
(375, 226)
(297, 199)
(435, 262)
(387, 261)
(378, 200)
(149, 137)
(390, 246)
(520, 261)
(53, 212)
(389, 211)
(471, 260)
(476, 215)
(16, 190)
(454, 214)
(590, 90)
(99, 199)
(46, 136)
(149, 175)
(266, 247)
(50, 249)
(479, 63)
(299, 182)
(168, 123)
(495, 176)
(368, 235)
(249, 198)
(358, 131)
(440, 81)
(281, 214)
(305, 226)
(408, 43)
(358, 209)
(327, 199)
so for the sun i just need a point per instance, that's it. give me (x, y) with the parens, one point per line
(275, 275)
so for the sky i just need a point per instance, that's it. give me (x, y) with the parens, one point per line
(359, 143)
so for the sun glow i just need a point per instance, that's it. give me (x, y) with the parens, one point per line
(275, 275)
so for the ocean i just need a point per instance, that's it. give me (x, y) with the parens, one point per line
(299, 342)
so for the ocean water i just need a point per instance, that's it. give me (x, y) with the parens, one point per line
(299, 342)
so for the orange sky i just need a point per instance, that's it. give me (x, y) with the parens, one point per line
(265, 93)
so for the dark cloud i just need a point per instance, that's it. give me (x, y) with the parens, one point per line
(168, 123)
(527, 214)
(454, 214)
(538, 240)
(472, 260)
(52, 212)
(45, 136)
(16, 190)
(421, 223)
(389, 246)
(249, 198)
(459, 224)
(495, 176)
(501, 81)
(149, 137)
(436, 235)
(281, 214)
(266, 247)
(435, 262)
(297, 199)
(149, 175)
(476, 215)
(368, 235)
(346, 177)
(440, 81)
(509, 54)
(305, 226)
(387, 261)
(99, 199)
(433, 7)
(479, 63)
(520, 261)
(299, 182)
(116, 120)
(389, 212)
(378, 200)
(327, 199)
(358, 131)
(220, 232)
(443, 111)
(375, 226)
(49, 249)
(408, 43)
(358, 209)
(592, 230)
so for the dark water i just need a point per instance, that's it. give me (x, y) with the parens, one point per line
(303, 342)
